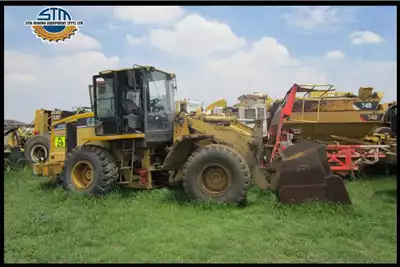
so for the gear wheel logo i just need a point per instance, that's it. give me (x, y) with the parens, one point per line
(54, 25)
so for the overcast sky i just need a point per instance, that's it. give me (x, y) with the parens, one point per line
(215, 51)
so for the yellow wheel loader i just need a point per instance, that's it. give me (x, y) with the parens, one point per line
(135, 137)
(32, 145)
(37, 145)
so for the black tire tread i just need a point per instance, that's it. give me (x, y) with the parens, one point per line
(109, 170)
(35, 140)
(226, 149)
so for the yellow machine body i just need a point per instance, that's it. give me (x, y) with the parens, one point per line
(214, 157)
(320, 113)
(224, 130)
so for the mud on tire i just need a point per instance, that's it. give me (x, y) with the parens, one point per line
(220, 156)
(35, 147)
(103, 168)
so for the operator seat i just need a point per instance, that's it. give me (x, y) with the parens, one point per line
(132, 115)
(130, 107)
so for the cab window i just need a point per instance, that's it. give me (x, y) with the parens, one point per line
(160, 92)
(106, 99)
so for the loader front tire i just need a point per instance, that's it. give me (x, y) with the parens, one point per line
(37, 149)
(217, 173)
(89, 170)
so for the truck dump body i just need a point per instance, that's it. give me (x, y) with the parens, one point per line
(321, 116)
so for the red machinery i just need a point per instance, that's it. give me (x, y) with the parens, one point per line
(296, 172)
(347, 159)
(343, 159)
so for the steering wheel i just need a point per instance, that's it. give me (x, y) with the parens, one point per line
(154, 102)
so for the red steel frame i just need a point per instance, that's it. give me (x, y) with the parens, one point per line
(345, 159)
(275, 129)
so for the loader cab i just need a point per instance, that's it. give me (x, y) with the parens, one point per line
(136, 100)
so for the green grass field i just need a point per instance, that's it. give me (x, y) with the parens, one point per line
(44, 224)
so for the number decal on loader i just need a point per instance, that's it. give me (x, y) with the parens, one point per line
(59, 141)
(366, 105)
(371, 117)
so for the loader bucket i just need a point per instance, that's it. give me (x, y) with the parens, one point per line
(303, 174)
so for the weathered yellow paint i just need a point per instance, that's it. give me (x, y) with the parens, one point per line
(216, 118)
(146, 165)
(181, 127)
(331, 117)
(48, 169)
(12, 140)
(74, 118)
(113, 137)
(218, 103)
(236, 134)
(42, 117)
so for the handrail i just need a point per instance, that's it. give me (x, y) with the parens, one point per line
(312, 89)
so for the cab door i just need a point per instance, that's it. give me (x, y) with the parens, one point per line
(106, 111)
(160, 107)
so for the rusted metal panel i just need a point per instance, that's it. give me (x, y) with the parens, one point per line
(330, 105)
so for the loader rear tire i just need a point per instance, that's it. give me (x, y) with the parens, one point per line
(37, 149)
(89, 170)
(217, 173)
(383, 130)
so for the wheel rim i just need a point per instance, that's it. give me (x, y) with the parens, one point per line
(215, 181)
(39, 153)
(82, 174)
